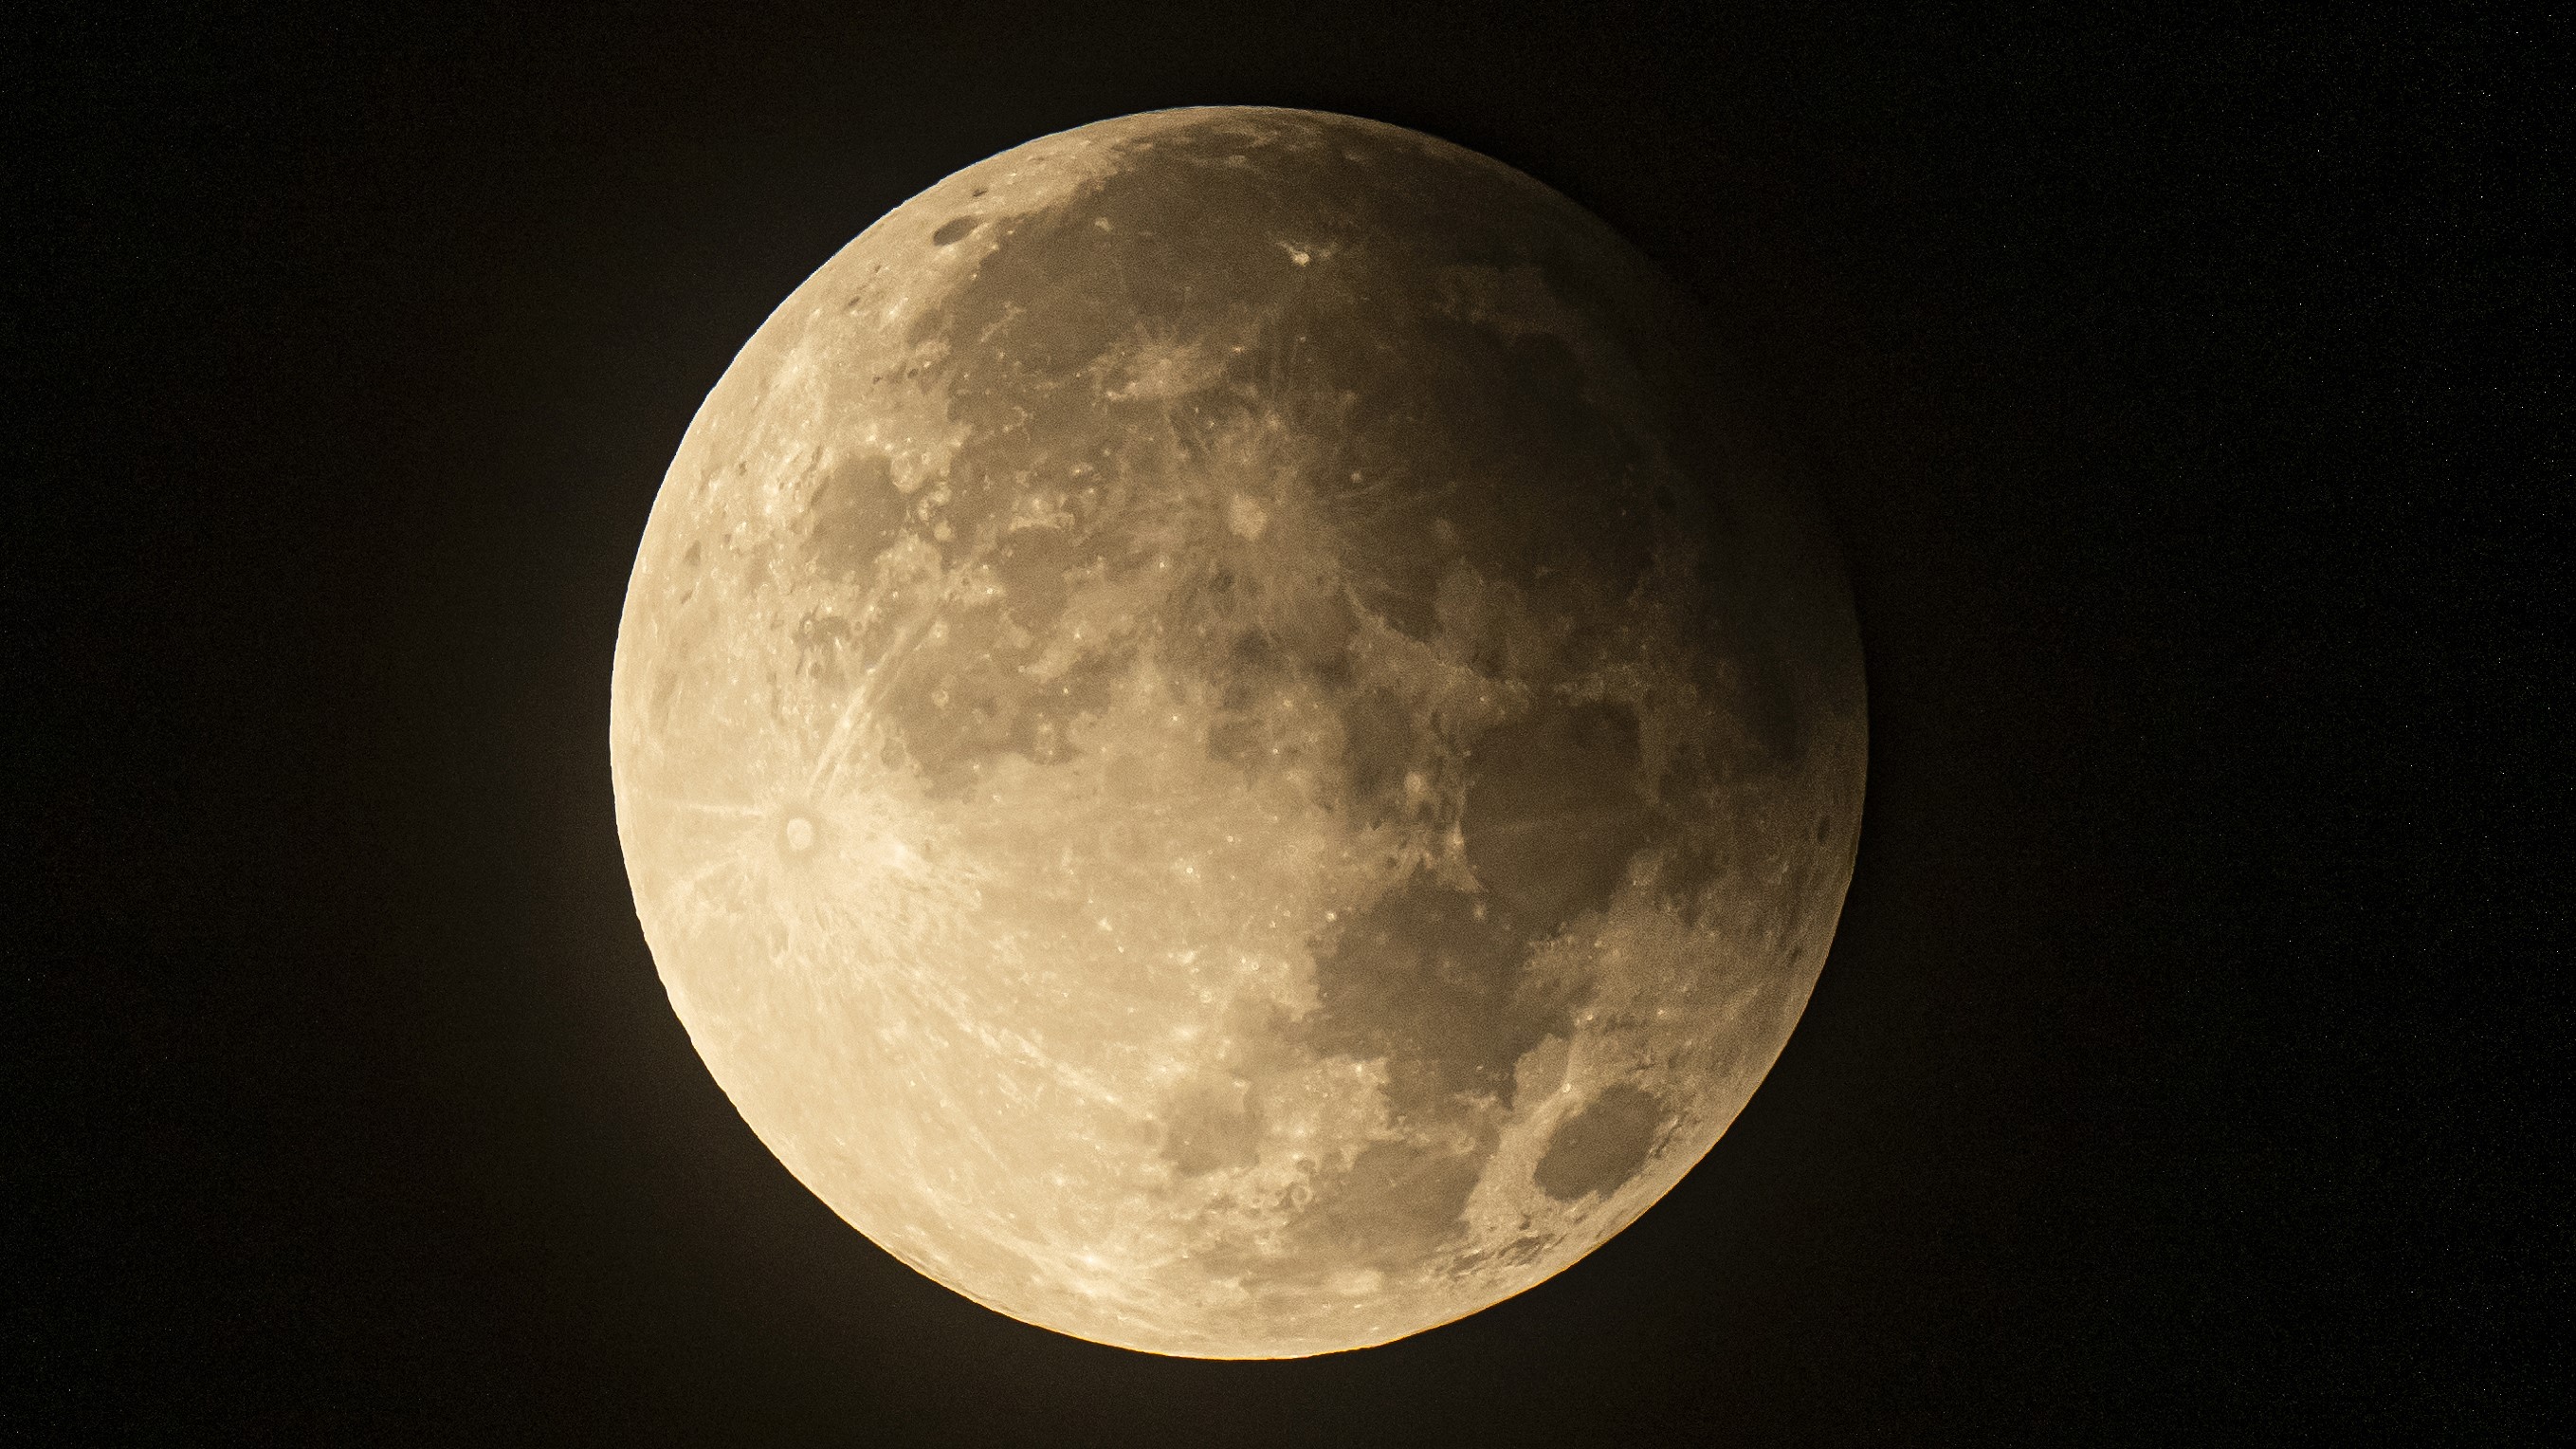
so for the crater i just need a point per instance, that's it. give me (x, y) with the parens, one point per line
(1600, 1147)
(953, 231)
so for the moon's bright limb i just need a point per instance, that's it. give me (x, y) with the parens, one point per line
(1217, 746)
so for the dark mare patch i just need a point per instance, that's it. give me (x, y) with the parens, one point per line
(1211, 1123)
(851, 515)
(1396, 1205)
(1600, 1147)
(1379, 745)
(1554, 814)
(960, 706)
(1266, 719)
(1432, 984)
(1757, 688)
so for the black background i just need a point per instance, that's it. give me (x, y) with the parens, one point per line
(2184, 395)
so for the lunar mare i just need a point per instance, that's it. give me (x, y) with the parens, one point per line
(1220, 746)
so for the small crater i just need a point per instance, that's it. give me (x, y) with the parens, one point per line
(1600, 1147)
(953, 231)
(800, 834)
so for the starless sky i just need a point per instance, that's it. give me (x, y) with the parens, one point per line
(2169, 1077)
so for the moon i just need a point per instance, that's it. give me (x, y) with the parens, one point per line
(1220, 744)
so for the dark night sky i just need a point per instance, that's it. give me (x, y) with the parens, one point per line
(2180, 1067)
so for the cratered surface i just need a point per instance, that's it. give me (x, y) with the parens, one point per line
(1218, 744)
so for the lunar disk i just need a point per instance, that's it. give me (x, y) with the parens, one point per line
(1218, 744)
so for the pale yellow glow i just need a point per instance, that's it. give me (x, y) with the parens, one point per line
(1216, 746)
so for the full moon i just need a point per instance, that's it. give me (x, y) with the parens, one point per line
(1221, 744)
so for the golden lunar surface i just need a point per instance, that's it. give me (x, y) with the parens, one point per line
(1218, 744)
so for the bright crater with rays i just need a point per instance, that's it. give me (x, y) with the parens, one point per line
(1219, 746)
